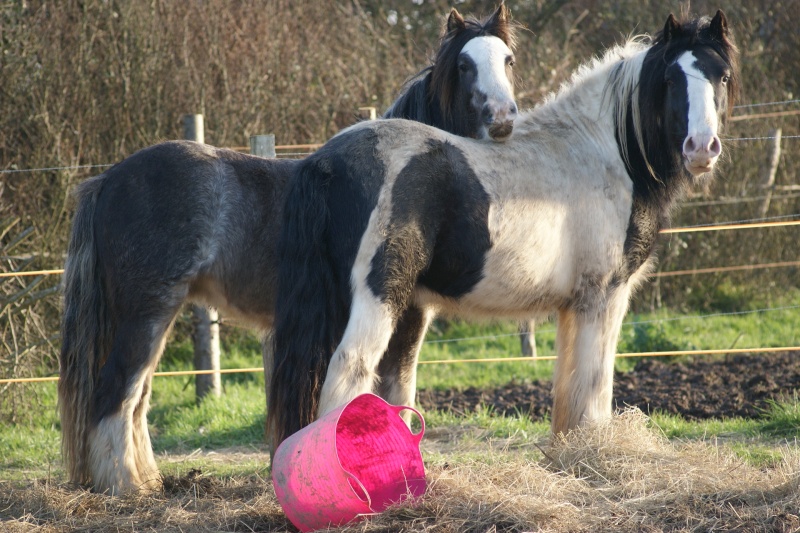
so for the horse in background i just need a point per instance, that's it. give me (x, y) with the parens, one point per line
(184, 222)
(393, 221)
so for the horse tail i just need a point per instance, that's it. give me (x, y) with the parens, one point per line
(86, 334)
(313, 303)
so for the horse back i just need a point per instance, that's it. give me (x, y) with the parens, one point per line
(188, 216)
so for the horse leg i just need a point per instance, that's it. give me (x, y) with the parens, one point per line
(268, 358)
(352, 369)
(583, 380)
(142, 447)
(120, 454)
(397, 369)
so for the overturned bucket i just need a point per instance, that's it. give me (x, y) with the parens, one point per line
(354, 461)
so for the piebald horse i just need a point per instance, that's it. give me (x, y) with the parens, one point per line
(393, 221)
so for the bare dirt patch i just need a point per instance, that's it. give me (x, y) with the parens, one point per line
(722, 387)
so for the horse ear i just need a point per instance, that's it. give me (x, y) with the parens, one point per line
(670, 28)
(499, 24)
(455, 21)
(501, 15)
(719, 26)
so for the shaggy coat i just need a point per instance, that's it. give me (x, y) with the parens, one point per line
(180, 222)
(392, 221)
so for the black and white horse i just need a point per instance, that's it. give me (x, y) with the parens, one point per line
(181, 221)
(392, 221)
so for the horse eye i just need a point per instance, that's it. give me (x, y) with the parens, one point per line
(510, 61)
(725, 79)
(463, 67)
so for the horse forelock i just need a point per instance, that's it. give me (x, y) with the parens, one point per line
(444, 69)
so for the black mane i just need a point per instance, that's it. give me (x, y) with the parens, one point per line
(432, 95)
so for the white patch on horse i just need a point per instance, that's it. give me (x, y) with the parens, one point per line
(490, 54)
(118, 465)
(702, 146)
(352, 370)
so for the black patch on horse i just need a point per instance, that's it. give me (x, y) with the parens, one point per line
(438, 229)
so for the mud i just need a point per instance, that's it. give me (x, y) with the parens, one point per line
(741, 385)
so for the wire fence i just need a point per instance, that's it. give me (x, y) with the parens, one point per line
(301, 150)
(739, 225)
(670, 353)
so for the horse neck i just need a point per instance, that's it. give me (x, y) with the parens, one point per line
(580, 112)
(418, 104)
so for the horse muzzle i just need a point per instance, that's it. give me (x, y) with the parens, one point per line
(498, 119)
(700, 153)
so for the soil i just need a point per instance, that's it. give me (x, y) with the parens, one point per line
(739, 385)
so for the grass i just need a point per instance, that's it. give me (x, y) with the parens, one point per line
(621, 476)
(180, 426)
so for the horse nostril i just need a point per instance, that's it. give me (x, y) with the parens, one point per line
(704, 146)
(716, 147)
(688, 146)
(487, 115)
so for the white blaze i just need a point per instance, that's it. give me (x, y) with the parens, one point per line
(702, 111)
(489, 54)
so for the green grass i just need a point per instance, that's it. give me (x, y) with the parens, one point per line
(642, 332)
(463, 340)
(180, 425)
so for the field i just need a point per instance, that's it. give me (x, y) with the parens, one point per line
(700, 443)
(488, 466)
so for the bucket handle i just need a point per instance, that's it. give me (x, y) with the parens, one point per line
(352, 477)
(400, 408)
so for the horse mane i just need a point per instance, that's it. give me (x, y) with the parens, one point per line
(428, 95)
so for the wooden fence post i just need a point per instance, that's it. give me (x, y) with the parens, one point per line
(768, 176)
(367, 113)
(264, 146)
(206, 320)
(527, 337)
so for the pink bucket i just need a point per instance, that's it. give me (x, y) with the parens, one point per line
(354, 461)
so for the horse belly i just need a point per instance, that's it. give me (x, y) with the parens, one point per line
(520, 283)
(254, 310)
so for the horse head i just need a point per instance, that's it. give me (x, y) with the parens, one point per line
(695, 83)
(474, 70)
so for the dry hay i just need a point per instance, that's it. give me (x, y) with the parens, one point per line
(620, 476)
